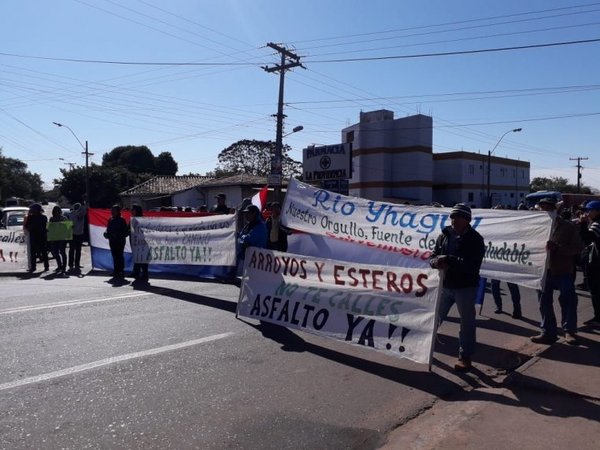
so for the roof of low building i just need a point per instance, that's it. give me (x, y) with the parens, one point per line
(166, 184)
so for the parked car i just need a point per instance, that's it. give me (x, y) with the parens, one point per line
(13, 217)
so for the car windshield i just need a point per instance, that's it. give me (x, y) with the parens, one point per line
(15, 219)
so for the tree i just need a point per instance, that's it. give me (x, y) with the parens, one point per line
(254, 157)
(17, 181)
(559, 184)
(164, 164)
(136, 159)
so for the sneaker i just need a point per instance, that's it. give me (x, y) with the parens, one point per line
(463, 364)
(498, 311)
(571, 339)
(543, 339)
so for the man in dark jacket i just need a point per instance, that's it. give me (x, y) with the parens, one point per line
(116, 232)
(459, 252)
(35, 225)
(220, 207)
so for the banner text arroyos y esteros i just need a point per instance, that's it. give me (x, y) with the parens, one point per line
(390, 309)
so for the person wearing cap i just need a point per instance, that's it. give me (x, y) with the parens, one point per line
(254, 232)
(35, 225)
(459, 252)
(77, 216)
(562, 247)
(277, 233)
(220, 207)
(590, 233)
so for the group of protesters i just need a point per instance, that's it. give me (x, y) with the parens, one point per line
(459, 251)
(36, 226)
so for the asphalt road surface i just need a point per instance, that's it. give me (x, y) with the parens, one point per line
(89, 364)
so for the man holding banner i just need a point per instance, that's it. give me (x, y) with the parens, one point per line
(459, 252)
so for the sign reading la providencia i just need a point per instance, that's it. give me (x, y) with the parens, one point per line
(328, 162)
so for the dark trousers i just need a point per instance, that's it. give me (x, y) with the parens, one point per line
(38, 250)
(515, 295)
(593, 273)
(117, 248)
(75, 251)
(59, 252)
(140, 271)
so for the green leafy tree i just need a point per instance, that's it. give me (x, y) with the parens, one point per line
(559, 184)
(136, 159)
(17, 181)
(254, 157)
(164, 164)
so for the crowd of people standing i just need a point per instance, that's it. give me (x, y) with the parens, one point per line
(459, 252)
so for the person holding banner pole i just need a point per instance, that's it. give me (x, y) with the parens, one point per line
(140, 270)
(459, 252)
(77, 216)
(564, 243)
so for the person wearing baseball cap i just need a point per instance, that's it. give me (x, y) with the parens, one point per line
(563, 247)
(459, 252)
(590, 233)
(220, 207)
(254, 233)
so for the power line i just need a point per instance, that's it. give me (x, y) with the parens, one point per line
(317, 61)
(454, 53)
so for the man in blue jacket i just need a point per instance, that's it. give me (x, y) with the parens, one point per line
(459, 252)
(254, 232)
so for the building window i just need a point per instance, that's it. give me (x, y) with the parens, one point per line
(470, 195)
(471, 169)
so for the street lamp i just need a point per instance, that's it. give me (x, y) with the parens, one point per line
(87, 156)
(489, 167)
(294, 130)
(68, 163)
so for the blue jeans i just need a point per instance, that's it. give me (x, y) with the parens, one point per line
(465, 303)
(567, 299)
(515, 295)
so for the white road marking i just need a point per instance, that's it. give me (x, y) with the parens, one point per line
(69, 303)
(108, 361)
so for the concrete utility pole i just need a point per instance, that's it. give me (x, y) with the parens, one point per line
(288, 61)
(579, 167)
(87, 157)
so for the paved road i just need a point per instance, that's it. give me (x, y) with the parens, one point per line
(88, 364)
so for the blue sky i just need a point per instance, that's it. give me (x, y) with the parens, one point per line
(195, 111)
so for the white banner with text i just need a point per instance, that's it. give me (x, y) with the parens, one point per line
(389, 309)
(207, 241)
(515, 241)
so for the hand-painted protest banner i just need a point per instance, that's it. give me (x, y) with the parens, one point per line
(102, 258)
(13, 250)
(184, 240)
(60, 231)
(515, 240)
(389, 309)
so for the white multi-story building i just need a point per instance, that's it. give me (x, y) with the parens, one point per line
(392, 160)
(463, 177)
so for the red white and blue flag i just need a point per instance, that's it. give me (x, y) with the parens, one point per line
(102, 258)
